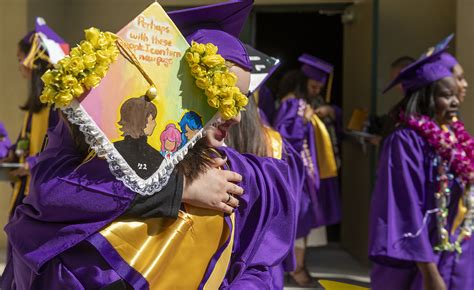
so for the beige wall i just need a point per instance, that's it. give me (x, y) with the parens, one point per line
(404, 29)
(408, 29)
(356, 164)
(13, 89)
(465, 53)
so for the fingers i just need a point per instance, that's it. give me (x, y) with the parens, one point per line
(226, 208)
(219, 162)
(232, 176)
(234, 189)
(232, 201)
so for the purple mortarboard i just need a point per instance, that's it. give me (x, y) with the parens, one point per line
(315, 68)
(28, 38)
(446, 58)
(219, 24)
(44, 39)
(319, 70)
(430, 67)
(449, 60)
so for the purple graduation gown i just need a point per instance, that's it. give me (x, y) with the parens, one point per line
(329, 189)
(69, 203)
(5, 144)
(297, 181)
(323, 206)
(403, 194)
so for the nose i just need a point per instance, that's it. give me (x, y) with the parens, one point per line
(454, 102)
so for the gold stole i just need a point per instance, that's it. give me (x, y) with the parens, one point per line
(326, 158)
(175, 254)
(274, 143)
(38, 130)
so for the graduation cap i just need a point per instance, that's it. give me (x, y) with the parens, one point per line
(430, 67)
(263, 66)
(219, 24)
(319, 70)
(45, 44)
(448, 60)
(141, 136)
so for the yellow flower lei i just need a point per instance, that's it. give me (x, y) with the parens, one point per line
(213, 76)
(81, 70)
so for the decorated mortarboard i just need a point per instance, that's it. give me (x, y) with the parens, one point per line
(219, 24)
(142, 97)
(430, 67)
(319, 70)
(45, 44)
(446, 58)
(263, 66)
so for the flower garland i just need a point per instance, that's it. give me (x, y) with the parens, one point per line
(213, 76)
(82, 70)
(456, 151)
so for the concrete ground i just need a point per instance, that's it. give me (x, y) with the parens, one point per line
(331, 262)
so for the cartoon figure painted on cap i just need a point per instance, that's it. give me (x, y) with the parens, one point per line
(170, 140)
(137, 123)
(190, 125)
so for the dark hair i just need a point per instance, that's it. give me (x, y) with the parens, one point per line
(402, 62)
(33, 103)
(420, 102)
(249, 135)
(134, 113)
(295, 82)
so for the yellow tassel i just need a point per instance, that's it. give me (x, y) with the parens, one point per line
(36, 52)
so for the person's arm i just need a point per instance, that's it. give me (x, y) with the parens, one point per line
(432, 279)
(218, 185)
(401, 180)
(165, 203)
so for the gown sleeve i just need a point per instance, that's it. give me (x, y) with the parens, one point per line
(289, 121)
(68, 202)
(399, 203)
(265, 221)
(165, 203)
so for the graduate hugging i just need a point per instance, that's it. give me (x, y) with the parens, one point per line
(128, 194)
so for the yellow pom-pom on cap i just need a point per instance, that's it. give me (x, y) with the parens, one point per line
(152, 93)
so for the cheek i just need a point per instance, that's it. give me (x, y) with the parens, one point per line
(441, 104)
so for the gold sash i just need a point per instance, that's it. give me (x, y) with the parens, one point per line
(274, 143)
(175, 254)
(38, 130)
(326, 158)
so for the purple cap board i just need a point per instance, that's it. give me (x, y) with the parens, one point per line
(219, 24)
(430, 67)
(315, 68)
